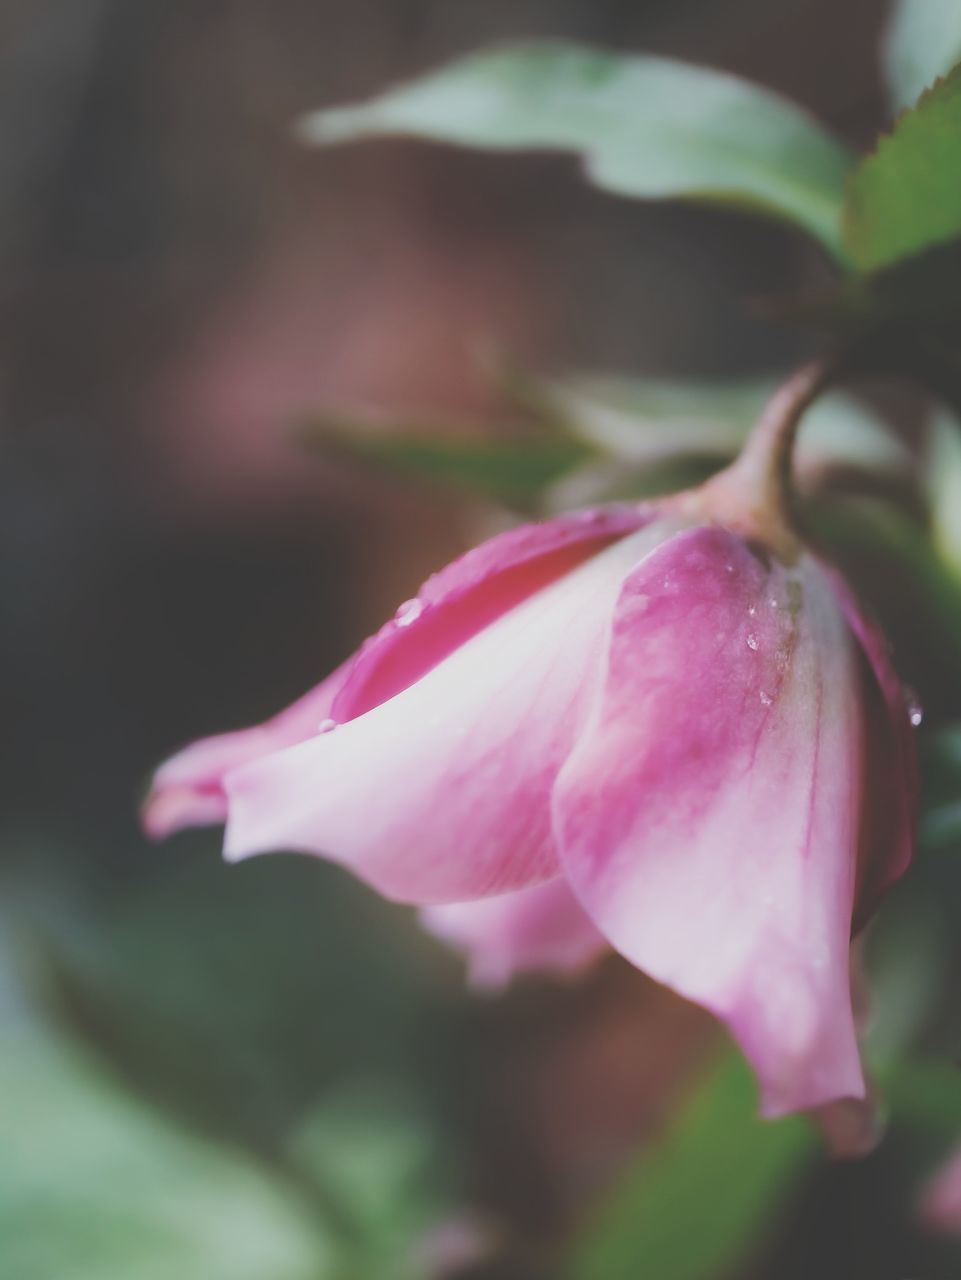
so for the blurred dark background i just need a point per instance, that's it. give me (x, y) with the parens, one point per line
(181, 283)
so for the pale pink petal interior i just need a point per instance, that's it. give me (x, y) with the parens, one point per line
(442, 792)
(472, 592)
(543, 929)
(453, 605)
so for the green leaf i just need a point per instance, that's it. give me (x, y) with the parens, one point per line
(376, 1149)
(943, 471)
(655, 433)
(906, 196)
(281, 978)
(95, 1187)
(593, 438)
(647, 127)
(922, 42)
(928, 1094)
(698, 1204)
(648, 419)
(940, 826)
(513, 471)
(889, 558)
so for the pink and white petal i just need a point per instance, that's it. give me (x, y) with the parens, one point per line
(708, 817)
(939, 1204)
(442, 793)
(187, 790)
(474, 591)
(452, 605)
(851, 1127)
(543, 929)
(892, 785)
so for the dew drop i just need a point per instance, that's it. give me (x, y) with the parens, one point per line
(752, 641)
(766, 699)
(915, 710)
(325, 726)
(408, 612)
(752, 610)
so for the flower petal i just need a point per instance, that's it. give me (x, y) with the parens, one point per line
(441, 793)
(472, 592)
(452, 605)
(708, 817)
(543, 929)
(187, 790)
(939, 1204)
(892, 782)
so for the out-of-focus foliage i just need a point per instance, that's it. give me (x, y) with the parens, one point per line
(512, 469)
(657, 129)
(591, 438)
(275, 1033)
(943, 476)
(906, 196)
(718, 1165)
(923, 41)
(95, 1186)
(647, 431)
(647, 127)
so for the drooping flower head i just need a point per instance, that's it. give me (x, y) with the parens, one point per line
(667, 728)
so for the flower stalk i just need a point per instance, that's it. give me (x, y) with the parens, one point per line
(755, 493)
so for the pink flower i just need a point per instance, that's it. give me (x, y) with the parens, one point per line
(939, 1204)
(633, 727)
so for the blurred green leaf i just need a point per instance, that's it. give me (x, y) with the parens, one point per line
(511, 471)
(375, 1148)
(890, 558)
(906, 196)
(928, 1095)
(659, 436)
(94, 1187)
(705, 1198)
(596, 438)
(940, 827)
(906, 950)
(943, 474)
(922, 42)
(644, 420)
(235, 996)
(647, 127)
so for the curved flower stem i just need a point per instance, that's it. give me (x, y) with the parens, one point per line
(765, 461)
(754, 493)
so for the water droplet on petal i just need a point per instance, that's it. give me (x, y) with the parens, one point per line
(766, 699)
(752, 610)
(408, 612)
(752, 641)
(915, 710)
(325, 726)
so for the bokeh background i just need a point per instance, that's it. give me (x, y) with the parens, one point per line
(264, 1071)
